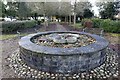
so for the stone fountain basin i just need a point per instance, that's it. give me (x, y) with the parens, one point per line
(72, 38)
(63, 60)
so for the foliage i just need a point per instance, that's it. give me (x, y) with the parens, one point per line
(109, 9)
(57, 8)
(2, 9)
(84, 20)
(96, 22)
(81, 6)
(14, 26)
(29, 24)
(87, 13)
(11, 13)
(39, 22)
(13, 8)
(23, 10)
(77, 25)
(107, 24)
(111, 26)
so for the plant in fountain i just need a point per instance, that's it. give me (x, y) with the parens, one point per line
(65, 40)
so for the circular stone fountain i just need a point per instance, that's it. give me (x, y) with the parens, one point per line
(63, 52)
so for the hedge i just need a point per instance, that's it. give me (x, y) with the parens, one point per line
(14, 26)
(96, 22)
(111, 26)
(107, 24)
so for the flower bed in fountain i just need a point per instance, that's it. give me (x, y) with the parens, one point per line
(63, 52)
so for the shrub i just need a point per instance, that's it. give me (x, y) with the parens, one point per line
(84, 20)
(116, 25)
(14, 26)
(107, 24)
(39, 22)
(111, 26)
(96, 22)
(87, 23)
(29, 24)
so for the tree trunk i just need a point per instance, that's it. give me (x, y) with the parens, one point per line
(65, 19)
(47, 21)
(74, 18)
(44, 21)
(75, 13)
(70, 19)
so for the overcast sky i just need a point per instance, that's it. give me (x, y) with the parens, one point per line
(94, 8)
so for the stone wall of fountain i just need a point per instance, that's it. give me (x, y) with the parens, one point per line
(63, 60)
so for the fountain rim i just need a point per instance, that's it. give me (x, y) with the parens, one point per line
(100, 44)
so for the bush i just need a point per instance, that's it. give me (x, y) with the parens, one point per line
(39, 22)
(107, 24)
(111, 26)
(14, 26)
(96, 22)
(29, 24)
(87, 23)
(116, 25)
(84, 20)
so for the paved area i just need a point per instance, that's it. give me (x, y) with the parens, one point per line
(8, 47)
(60, 27)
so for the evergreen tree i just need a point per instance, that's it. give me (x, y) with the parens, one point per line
(109, 9)
(87, 13)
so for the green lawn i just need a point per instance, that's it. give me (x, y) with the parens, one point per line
(115, 34)
(77, 25)
(9, 36)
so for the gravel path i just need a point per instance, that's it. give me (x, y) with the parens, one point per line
(11, 45)
(60, 27)
(8, 47)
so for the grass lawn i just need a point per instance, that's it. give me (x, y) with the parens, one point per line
(115, 34)
(77, 25)
(9, 36)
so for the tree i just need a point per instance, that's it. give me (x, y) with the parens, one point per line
(13, 8)
(79, 7)
(45, 9)
(23, 10)
(87, 13)
(109, 9)
(64, 10)
(58, 8)
(74, 9)
(2, 9)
